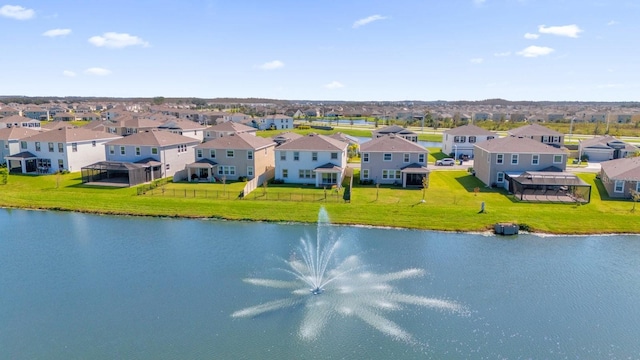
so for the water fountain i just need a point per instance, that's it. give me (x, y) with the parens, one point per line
(327, 287)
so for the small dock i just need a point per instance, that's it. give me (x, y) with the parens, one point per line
(506, 229)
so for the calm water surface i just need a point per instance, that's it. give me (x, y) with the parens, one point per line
(75, 286)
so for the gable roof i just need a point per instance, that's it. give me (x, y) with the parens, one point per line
(607, 142)
(16, 133)
(70, 134)
(512, 144)
(627, 169)
(16, 119)
(533, 130)
(232, 127)
(234, 141)
(469, 130)
(315, 142)
(393, 129)
(154, 138)
(391, 143)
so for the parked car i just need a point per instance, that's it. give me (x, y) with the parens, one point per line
(445, 162)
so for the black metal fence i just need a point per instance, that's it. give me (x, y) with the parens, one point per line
(320, 196)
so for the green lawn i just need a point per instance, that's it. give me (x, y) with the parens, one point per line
(450, 204)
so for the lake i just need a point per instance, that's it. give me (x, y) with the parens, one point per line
(78, 286)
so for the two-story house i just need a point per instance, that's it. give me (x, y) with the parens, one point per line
(66, 148)
(232, 156)
(165, 151)
(313, 159)
(496, 159)
(187, 128)
(396, 130)
(10, 140)
(392, 159)
(19, 121)
(539, 133)
(459, 141)
(274, 122)
(227, 128)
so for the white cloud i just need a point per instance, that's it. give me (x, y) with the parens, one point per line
(612, 22)
(501, 54)
(477, 60)
(117, 40)
(479, 2)
(272, 65)
(368, 20)
(56, 32)
(97, 71)
(531, 36)
(571, 31)
(69, 73)
(16, 12)
(535, 51)
(334, 85)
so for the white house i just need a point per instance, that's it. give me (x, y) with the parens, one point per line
(459, 141)
(10, 140)
(65, 148)
(274, 122)
(313, 159)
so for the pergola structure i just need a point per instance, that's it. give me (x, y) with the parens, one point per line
(549, 186)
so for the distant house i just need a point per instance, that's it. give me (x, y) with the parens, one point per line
(274, 122)
(392, 159)
(227, 128)
(36, 113)
(65, 148)
(496, 159)
(19, 121)
(396, 130)
(286, 136)
(232, 157)
(620, 176)
(64, 116)
(6, 111)
(187, 128)
(460, 141)
(603, 148)
(313, 159)
(539, 133)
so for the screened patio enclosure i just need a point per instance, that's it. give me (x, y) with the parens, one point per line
(549, 187)
(116, 173)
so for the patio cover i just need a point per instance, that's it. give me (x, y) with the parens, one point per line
(328, 168)
(415, 169)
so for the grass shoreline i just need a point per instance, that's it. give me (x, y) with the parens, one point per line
(452, 205)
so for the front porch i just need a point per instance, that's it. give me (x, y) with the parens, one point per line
(329, 175)
(202, 170)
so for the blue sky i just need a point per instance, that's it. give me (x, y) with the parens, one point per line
(536, 50)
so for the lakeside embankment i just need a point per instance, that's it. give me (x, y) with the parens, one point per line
(451, 204)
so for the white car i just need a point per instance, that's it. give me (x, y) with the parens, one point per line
(445, 162)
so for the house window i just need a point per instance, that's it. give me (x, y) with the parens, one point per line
(500, 159)
(230, 153)
(619, 186)
(60, 164)
(314, 156)
(472, 139)
(199, 153)
(365, 174)
(459, 139)
(296, 156)
(386, 157)
(365, 157)
(334, 156)
(23, 145)
(112, 149)
(226, 170)
(638, 186)
(545, 139)
(500, 177)
(285, 173)
(250, 171)
(391, 174)
(60, 147)
(406, 158)
(489, 137)
(123, 150)
(250, 155)
(514, 159)
(154, 151)
(306, 174)
(557, 159)
(535, 159)
(74, 147)
(93, 143)
(37, 145)
(421, 158)
(167, 166)
(283, 156)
